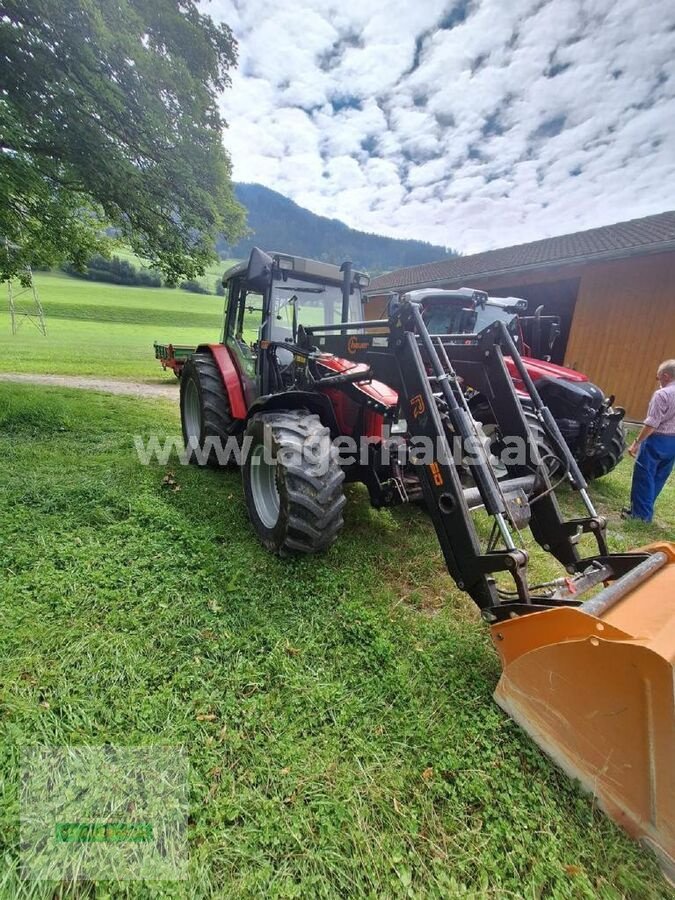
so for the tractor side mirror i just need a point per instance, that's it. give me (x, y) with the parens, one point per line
(554, 332)
(259, 271)
(467, 321)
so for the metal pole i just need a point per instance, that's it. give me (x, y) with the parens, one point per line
(549, 422)
(482, 473)
(346, 269)
(611, 595)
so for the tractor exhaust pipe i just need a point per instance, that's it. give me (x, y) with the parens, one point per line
(346, 269)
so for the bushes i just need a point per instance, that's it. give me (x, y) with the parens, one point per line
(114, 271)
(194, 286)
(120, 271)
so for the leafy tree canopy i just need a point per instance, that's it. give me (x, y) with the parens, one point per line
(109, 116)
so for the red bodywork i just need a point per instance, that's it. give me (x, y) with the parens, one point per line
(347, 408)
(538, 368)
(230, 376)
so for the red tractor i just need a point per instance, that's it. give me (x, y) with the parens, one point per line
(310, 396)
(588, 420)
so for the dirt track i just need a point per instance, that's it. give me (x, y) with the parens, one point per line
(168, 391)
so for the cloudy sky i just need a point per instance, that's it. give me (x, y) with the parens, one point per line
(469, 123)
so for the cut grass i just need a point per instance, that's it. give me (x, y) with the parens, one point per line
(351, 745)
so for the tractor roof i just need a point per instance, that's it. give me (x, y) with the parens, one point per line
(467, 297)
(309, 268)
(464, 296)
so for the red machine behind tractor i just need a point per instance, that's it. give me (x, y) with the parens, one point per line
(299, 374)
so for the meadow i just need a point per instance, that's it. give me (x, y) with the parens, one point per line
(337, 710)
(107, 330)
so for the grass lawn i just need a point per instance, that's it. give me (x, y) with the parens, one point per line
(337, 710)
(107, 330)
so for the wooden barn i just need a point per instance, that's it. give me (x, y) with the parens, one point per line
(613, 288)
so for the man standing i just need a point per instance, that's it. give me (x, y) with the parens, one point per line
(654, 447)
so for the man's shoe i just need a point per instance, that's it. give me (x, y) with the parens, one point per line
(627, 513)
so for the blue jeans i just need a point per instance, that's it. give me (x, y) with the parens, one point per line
(653, 465)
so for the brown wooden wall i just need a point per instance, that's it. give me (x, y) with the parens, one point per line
(623, 324)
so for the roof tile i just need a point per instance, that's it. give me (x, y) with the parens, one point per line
(623, 237)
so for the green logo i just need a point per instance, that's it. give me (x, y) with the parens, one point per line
(103, 832)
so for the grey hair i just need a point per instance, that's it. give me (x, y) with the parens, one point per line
(667, 368)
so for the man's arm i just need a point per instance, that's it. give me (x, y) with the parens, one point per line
(658, 406)
(645, 431)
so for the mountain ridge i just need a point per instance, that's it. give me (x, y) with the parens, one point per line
(278, 223)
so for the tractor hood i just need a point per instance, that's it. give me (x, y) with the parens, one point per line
(538, 368)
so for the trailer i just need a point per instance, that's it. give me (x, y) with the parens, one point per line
(173, 356)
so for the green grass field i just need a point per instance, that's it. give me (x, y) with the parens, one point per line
(337, 710)
(107, 330)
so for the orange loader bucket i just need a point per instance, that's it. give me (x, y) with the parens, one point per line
(593, 687)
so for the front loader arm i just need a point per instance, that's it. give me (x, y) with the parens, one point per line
(443, 492)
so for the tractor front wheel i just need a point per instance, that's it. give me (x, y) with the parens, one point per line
(598, 466)
(550, 457)
(292, 482)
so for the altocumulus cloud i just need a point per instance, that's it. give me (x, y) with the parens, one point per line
(474, 125)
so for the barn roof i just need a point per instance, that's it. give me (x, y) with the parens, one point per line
(638, 236)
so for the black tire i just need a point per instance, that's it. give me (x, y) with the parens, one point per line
(204, 409)
(295, 501)
(547, 450)
(549, 453)
(598, 466)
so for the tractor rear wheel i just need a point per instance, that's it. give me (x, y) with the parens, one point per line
(599, 466)
(292, 482)
(205, 414)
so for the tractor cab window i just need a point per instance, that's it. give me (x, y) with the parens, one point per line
(244, 321)
(448, 318)
(451, 318)
(489, 314)
(298, 302)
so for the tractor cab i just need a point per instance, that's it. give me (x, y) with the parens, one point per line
(467, 311)
(270, 299)
(463, 311)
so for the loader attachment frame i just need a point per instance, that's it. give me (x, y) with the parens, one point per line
(430, 373)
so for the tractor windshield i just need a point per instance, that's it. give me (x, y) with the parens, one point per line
(311, 302)
(489, 314)
(451, 318)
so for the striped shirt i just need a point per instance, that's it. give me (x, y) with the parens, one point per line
(661, 412)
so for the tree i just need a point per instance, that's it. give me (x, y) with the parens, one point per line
(109, 117)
